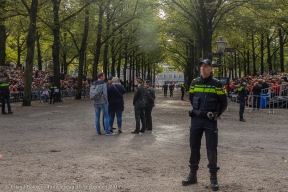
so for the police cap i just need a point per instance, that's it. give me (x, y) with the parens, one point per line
(206, 61)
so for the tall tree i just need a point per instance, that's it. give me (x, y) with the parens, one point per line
(30, 50)
(82, 55)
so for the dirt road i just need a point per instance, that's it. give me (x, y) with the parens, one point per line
(55, 148)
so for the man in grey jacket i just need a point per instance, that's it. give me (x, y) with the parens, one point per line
(101, 105)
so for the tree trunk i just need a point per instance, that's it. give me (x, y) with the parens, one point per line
(269, 57)
(82, 55)
(105, 60)
(119, 66)
(30, 53)
(39, 56)
(2, 33)
(98, 43)
(206, 30)
(56, 45)
(253, 56)
(262, 54)
(113, 58)
(281, 45)
(248, 62)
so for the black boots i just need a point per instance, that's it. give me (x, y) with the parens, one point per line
(191, 179)
(214, 182)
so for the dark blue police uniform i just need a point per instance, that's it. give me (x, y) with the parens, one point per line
(209, 101)
(5, 97)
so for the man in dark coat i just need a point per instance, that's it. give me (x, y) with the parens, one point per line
(139, 106)
(165, 88)
(116, 102)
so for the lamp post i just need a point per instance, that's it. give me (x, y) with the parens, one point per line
(220, 48)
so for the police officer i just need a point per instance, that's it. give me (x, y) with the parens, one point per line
(5, 97)
(242, 93)
(149, 104)
(52, 93)
(139, 106)
(182, 91)
(209, 101)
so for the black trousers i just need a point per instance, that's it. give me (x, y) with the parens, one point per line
(5, 99)
(242, 108)
(165, 93)
(171, 93)
(200, 125)
(148, 116)
(182, 94)
(52, 98)
(256, 101)
(140, 115)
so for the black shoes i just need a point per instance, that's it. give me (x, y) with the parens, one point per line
(134, 132)
(243, 120)
(10, 112)
(214, 182)
(142, 131)
(191, 179)
(119, 131)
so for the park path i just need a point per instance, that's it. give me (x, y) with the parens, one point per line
(55, 148)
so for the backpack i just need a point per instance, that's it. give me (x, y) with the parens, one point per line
(95, 92)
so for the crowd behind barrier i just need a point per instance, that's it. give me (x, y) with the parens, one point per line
(273, 95)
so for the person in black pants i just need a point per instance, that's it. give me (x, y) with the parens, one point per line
(242, 93)
(139, 106)
(182, 91)
(208, 99)
(165, 88)
(149, 104)
(256, 95)
(5, 96)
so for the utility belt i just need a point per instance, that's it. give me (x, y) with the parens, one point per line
(212, 116)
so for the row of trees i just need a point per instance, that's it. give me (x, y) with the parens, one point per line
(95, 35)
(257, 30)
(116, 35)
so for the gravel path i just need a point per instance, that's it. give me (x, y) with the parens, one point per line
(55, 148)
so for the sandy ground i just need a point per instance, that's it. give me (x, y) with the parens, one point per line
(55, 148)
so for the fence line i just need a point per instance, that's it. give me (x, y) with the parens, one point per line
(41, 97)
(271, 99)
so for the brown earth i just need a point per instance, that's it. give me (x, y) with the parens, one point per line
(55, 148)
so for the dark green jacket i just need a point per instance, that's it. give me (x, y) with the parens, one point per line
(138, 99)
(150, 97)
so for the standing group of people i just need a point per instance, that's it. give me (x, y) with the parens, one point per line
(111, 102)
(165, 88)
(143, 102)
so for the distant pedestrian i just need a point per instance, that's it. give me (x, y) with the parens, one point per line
(165, 88)
(182, 91)
(171, 89)
(242, 93)
(256, 91)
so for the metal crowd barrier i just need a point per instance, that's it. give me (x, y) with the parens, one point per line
(267, 102)
(40, 97)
